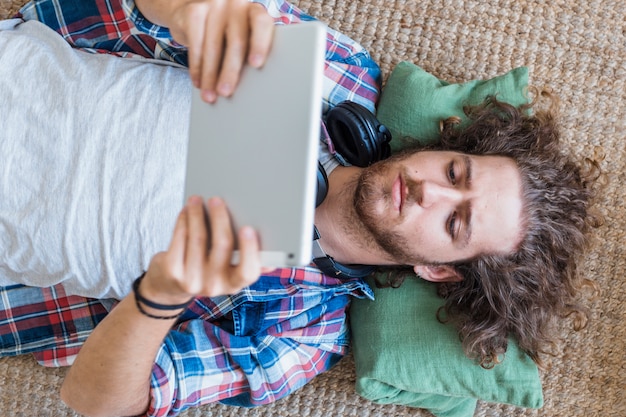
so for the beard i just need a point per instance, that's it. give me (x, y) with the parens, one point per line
(373, 203)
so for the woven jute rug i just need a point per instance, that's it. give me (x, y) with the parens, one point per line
(578, 49)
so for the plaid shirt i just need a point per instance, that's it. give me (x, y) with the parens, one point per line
(248, 349)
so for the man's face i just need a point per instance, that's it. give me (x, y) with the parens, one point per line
(434, 207)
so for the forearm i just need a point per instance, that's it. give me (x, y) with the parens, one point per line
(111, 375)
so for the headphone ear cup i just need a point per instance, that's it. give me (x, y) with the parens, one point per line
(357, 135)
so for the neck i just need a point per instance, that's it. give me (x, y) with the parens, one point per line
(342, 234)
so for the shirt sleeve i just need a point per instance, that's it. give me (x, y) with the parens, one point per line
(201, 363)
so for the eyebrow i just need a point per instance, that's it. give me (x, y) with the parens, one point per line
(467, 161)
(467, 236)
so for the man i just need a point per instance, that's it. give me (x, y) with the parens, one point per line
(455, 217)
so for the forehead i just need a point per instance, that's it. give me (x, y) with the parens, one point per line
(497, 194)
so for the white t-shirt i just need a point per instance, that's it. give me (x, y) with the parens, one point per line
(93, 151)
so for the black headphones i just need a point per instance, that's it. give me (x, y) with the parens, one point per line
(357, 135)
(359, 139)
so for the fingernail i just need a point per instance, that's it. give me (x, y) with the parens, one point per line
(247, 232)
(225, 89)
(256, 60)
(209, 96)
(215, 201)
(194, 199)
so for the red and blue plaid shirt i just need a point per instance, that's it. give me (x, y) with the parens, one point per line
(248, 349)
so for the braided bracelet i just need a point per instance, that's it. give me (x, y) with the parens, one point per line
(139, 299)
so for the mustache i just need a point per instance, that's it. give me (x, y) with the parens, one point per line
(414, 190)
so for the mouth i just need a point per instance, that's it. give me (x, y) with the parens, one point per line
(398, 194)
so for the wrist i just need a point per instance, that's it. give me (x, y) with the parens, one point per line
(152, 307)
(155, 287)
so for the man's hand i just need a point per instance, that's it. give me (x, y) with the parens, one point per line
(111, 375)
(198, 262)
(221, 35)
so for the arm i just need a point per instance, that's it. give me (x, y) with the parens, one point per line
(220, 37)
(111, 373)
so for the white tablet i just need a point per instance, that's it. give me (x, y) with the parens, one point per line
(258, 150)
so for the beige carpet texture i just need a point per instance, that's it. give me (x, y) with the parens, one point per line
(578, 49)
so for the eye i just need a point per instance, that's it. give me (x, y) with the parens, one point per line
(452, 225)
(451, 173)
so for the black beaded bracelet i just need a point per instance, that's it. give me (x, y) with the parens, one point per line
(139, 299)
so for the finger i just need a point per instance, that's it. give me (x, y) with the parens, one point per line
(249, 267)
(192, 36)
(176, 251)
(237, 38)
(212, 51)
(222, 239)
(261, 35)
(196, 243)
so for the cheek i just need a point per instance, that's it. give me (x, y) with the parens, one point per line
(423, 236)
(418, 222)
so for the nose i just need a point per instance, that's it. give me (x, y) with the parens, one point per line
(432, 193)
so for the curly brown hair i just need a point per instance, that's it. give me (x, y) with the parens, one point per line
(524, 293)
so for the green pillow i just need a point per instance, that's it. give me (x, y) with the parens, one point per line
(404, 355)
(413, 102)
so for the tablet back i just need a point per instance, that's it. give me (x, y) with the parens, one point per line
(258, 150)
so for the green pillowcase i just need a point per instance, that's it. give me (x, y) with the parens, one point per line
(413, 102)
(404, 355)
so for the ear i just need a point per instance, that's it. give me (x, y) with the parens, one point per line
(438, 273)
